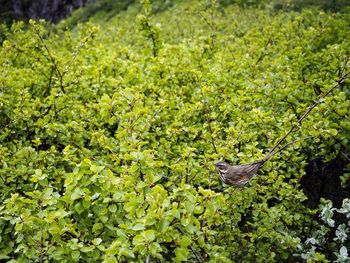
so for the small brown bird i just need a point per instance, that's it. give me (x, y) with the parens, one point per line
(238, 175)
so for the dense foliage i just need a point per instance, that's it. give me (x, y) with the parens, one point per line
(109, 134)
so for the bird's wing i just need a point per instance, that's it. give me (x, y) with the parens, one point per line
(247, 169)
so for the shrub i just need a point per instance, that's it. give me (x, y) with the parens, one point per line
(109, 135)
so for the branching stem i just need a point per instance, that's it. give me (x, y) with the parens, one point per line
(306, 113)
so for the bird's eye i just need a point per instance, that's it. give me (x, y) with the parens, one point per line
(220, 165)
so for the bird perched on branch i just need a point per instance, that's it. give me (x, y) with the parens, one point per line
(238, 175)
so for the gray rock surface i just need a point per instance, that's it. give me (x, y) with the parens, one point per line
(50, 10)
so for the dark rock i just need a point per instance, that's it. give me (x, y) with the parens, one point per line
(50, 10)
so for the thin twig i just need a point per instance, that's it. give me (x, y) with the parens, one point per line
(195, 254)
(342, 116)
(191, 247)
(209, 122)
(48, 51)
(76, 53)
(290, 143)
(19, 50)
(4, 69)
(211, 136)
(263, 54)
(60, 75)
(41, 245)
(296, 127)
(3, 180)
(346, 157)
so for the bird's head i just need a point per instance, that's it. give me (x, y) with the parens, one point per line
(222, 167)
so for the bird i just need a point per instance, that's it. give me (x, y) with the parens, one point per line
(238, 175)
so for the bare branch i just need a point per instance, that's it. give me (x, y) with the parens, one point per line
(50, 57)
(4, 69)
(77, 52)
(195, 254)
(309, 109)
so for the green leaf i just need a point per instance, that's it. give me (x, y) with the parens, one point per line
(184, 241)
(38, 176)
(333, 132)
(112, 208)
(96, 168)
(75, 255)
(138, 227)
(77, 193)
(126, 252)
(138, 239)
(58, 253)
(149, 235)
(97, 227)
(181, 253)
(79, 208)
(86, 249)
(96, 241)
(2, 256)
(163, 225)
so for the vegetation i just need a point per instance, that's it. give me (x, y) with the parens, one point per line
(109, 132)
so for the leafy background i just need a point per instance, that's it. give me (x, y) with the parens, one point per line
(110, 129)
